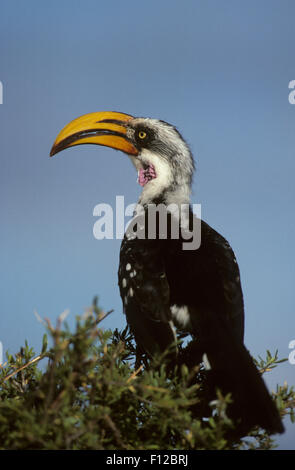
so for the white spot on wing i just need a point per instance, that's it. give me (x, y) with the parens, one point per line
(128, 267)
(206, 362)
(180, 315)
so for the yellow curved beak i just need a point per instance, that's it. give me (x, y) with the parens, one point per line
(103, 128)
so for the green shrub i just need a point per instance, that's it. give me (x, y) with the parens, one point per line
(89, 392)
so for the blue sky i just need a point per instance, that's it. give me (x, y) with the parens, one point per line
(219, 71)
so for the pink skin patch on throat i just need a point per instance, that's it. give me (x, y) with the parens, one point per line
(144, 176)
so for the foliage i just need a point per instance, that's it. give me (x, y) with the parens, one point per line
(91, 394)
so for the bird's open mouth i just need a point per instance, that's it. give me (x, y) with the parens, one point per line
(146, 174)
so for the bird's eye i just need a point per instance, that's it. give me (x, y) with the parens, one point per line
(142, 134)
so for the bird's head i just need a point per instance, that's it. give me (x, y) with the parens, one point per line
(159, 153)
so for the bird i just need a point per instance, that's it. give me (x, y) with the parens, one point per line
(167, 288)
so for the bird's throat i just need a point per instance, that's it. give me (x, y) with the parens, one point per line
(146, 174)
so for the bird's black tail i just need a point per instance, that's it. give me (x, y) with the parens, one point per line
(232, 370)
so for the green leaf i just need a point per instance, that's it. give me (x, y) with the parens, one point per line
(44, 343)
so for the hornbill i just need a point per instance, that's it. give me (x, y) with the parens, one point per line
(166, 287)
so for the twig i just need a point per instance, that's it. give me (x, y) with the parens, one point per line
(132, 376)
(37, 358)
(110, 423)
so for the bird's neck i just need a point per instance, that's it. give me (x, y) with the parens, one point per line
(175, 198)
(172, 195)
(172, 184)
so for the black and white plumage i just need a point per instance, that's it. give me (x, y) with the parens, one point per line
(164, 287)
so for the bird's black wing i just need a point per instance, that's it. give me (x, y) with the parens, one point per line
(145, 294)
(207, 280)
(224, 281)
